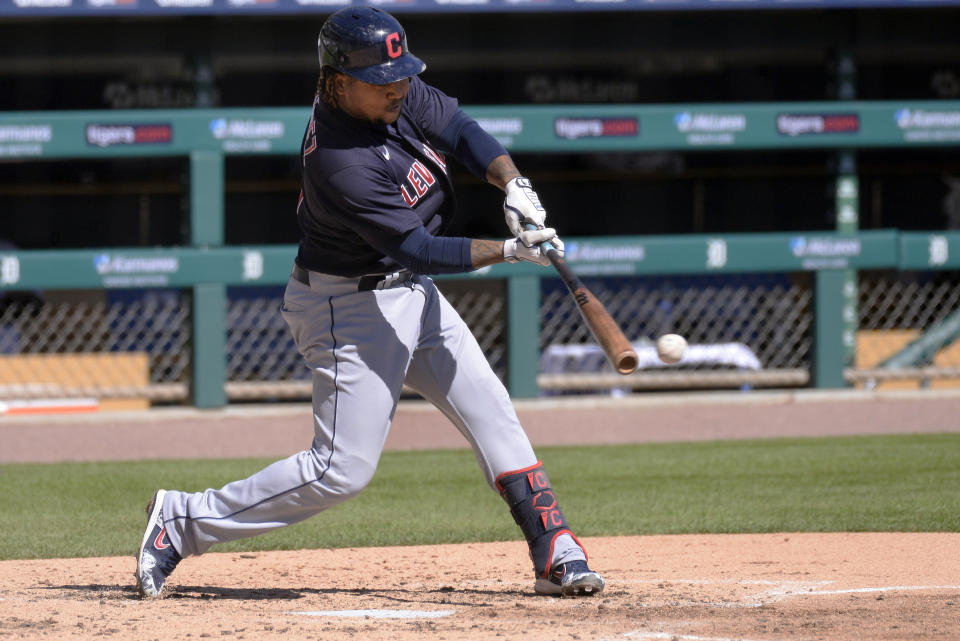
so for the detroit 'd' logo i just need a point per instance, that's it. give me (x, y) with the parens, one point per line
(420, 179)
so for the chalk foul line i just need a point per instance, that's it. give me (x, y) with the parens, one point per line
(887, 588)
(780, 590)
(640, 635)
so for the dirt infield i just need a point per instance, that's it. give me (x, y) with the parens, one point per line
(698, 588)
(774, 587)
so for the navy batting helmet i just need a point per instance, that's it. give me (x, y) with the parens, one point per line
(368, 44)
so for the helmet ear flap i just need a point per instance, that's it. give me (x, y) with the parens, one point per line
(327, 52)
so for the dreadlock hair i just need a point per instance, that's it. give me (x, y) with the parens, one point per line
(325, 87)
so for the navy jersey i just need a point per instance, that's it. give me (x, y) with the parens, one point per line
(365, 183)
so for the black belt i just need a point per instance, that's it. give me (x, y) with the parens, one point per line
(364, 283)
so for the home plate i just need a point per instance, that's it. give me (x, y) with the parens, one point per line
(379, 614)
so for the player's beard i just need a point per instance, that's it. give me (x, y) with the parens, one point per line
(391, 114)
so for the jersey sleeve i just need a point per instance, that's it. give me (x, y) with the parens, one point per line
(430, 108)
(471, 145)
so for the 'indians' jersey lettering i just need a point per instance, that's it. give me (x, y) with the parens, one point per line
(310, 137)
(421, 178)
(436, 156)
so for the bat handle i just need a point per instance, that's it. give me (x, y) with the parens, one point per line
(550, 251)
(546, 246)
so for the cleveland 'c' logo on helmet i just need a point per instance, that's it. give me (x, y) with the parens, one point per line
(394, 48)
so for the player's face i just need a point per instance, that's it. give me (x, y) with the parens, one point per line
(376, 103)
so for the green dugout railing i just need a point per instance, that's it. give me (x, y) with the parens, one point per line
(206, 266)
(208, 270)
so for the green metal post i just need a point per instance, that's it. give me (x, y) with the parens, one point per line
(209, 341)
(206, 198)
(828, 325)
(848, 208)
(523, 335)
(848, 217)
(209, 310)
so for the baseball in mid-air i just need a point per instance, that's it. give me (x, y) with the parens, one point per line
(670, 348)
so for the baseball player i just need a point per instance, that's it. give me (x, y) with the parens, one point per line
(376, 198)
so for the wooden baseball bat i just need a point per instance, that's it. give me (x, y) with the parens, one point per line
(608, 334)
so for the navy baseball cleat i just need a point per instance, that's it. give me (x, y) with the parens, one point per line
(573, 578)
(157, 558)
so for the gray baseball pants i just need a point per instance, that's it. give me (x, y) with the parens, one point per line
(361, 347)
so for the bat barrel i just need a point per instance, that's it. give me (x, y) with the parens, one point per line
(604, 329)
(626, 362)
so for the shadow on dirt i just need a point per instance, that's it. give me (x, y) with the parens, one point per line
(442, 596)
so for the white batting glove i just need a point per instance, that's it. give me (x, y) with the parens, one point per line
(526, 246)
(522, 205)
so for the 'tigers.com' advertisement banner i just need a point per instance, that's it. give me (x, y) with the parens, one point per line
(730, 126)
(527, 128)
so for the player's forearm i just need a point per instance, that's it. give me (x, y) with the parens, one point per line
(501, 170)
(485, 252)
(423, 253)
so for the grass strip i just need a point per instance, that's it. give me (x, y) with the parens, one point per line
(865, 483)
